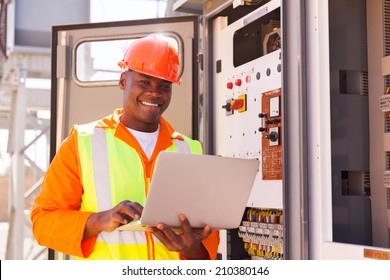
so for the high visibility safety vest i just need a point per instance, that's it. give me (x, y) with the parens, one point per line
(113, 171)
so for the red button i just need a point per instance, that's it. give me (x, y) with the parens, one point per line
(248, 79)
(238, 82)
(229, 85)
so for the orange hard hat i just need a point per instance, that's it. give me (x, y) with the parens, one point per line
(153, 55)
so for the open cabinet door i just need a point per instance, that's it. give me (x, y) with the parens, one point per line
(346, 197)
(335, 196)
(85, 73)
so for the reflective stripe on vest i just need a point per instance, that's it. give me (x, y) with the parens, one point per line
(109, 168)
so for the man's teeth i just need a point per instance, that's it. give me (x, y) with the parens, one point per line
(149, 104)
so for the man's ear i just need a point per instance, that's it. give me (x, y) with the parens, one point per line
(122, 81)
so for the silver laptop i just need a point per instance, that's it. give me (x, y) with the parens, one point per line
(208, 189)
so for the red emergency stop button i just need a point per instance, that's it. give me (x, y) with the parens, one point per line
(238, 82)
(229, 85)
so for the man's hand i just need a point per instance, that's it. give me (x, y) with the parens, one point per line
(187, 241)
(109, 220)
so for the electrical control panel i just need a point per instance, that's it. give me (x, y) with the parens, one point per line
(248, 104)
(248, 98)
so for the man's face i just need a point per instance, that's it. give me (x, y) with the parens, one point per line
(145, 98)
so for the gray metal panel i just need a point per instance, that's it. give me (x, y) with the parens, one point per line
(376, 28)
(349, 116)
(295, 142)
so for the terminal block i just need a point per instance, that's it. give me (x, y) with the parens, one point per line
(263, 233)
(384, 103)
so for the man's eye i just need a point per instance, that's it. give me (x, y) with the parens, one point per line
(165, 86)
(146, 83)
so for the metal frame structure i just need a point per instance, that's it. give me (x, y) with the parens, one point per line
(19, 107)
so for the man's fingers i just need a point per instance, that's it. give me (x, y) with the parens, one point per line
(187, 240)
(120, 218)
(201, 233)
(185, 224)
(164, 234)
(134, 205)
(168, 233)
(125, 212)
(131, 209)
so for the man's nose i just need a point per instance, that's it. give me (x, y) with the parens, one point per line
(155, 92)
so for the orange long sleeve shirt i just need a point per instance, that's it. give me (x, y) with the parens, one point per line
(57, 222)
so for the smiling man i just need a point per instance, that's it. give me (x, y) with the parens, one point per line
(145, 98)
(100, 176)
